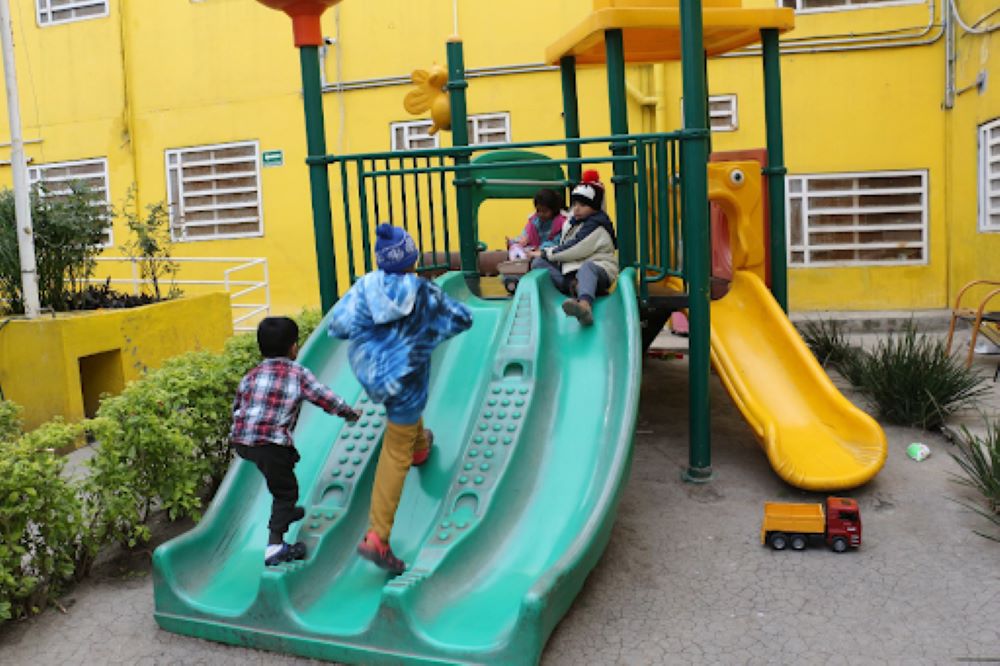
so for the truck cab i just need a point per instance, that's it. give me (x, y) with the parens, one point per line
(843, 523)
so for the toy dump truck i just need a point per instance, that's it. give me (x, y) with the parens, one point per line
(837, 522)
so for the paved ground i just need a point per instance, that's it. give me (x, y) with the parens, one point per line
(685, 579)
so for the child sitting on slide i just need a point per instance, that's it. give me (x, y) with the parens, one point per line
(543, 227)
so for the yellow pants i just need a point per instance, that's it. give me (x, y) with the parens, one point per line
(398, 446)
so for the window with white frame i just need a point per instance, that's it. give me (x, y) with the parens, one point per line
(868, 218)
(51, 12)
(811, 6)
(413, 135)
(214, 191)
(489, 128)
(723, 115)
(989, 176)
(55, 179)
(483, 128)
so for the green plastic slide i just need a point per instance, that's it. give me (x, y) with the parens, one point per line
(533, 419)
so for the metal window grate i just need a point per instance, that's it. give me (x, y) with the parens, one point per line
(54, 179)
(413, 135)
(51, 12)
(816, 6)
(989, 176)
(850, 219)
(483, 128)
(723, 114)
(489, 128)
(214, 192)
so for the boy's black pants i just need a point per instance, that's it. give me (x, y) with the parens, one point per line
(277, 464)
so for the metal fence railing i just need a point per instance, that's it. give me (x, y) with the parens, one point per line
(245, 279)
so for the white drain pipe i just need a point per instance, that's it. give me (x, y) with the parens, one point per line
(22, 203)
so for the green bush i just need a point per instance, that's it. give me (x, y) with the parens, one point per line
(979, 458)
(68, 231)
(912, 381)
(42, 540)
(146, 460)
(10, 421)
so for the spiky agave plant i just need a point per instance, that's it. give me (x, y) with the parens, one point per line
(979, 459)
(912, 381)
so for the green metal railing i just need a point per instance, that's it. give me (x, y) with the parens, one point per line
(419, 190)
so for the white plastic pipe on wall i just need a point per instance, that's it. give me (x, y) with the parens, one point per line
(19, 167)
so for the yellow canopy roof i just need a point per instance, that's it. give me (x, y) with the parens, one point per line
(651, 29)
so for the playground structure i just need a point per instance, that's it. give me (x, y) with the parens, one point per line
(518, 502)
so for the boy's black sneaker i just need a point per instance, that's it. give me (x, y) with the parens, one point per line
(288, 553)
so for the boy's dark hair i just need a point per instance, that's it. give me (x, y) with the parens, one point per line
(550, 199)
(276, 335)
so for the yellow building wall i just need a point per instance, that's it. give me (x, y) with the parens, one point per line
(159, 75)
(40, 360)
(974, 254)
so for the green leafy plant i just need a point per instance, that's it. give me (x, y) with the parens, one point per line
(69, 232)
(10, 421)
(979, 459)
(911, 380)
(149, 245)
(41, 535)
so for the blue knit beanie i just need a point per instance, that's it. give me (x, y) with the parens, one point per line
(395, 251)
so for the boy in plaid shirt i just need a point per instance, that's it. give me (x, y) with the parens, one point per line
(265, 411)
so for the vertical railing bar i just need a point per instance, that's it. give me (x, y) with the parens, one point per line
(430, 210)
(662, 204)
(363, 206)
(676, 242)
(643, 218)
(389, 197)
(417, 204)
(348, 232)
(444, 210)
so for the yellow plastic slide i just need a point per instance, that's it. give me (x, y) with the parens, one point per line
(813, 436)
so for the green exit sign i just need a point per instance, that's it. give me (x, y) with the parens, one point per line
(273, 158)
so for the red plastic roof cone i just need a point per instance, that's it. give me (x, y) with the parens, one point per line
(305, 18)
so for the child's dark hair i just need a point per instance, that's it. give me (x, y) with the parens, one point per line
(276, 335)
(550, 199)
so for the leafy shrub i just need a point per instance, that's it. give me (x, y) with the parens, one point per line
(150, 243)
(10, 421)
(68, 231)
(41, 537)
(912, 381)
(146, 459)
(979, 458)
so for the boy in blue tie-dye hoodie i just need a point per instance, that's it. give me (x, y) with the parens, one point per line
(394, 320)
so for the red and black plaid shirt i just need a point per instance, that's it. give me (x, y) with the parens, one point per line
(269, 399)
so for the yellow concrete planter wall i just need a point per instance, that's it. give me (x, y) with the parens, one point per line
(59, 366)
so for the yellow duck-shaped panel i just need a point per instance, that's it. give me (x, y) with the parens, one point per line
(430, 94)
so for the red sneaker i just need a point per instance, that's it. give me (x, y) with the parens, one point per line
(374, 550)
(420, 457)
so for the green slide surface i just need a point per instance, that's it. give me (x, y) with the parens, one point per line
(533, 419)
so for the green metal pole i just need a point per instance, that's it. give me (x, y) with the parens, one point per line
(571, 116)
(460, 137)
(319, 183)
(697, 237)
(775, 170)
(624, 195)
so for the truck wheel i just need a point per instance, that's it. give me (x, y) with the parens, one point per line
(798, 542)
(779, 541)
(839, 544)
